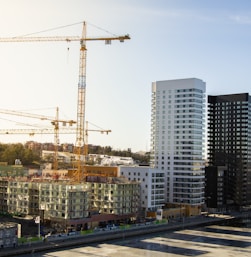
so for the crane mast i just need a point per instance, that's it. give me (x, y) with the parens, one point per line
(56, 140)
(81, 102)
(81, 137)
(81, 90)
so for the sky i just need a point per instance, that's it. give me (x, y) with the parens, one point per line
(170, 39)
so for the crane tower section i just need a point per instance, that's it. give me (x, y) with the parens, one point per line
(81, 91)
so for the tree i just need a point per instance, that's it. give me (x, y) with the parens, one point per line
(10, 152)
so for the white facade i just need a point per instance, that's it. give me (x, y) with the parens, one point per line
(105, 160)
(177, 137)
(116, 160)
(152, 184)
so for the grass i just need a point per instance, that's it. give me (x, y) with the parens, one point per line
(23, 240)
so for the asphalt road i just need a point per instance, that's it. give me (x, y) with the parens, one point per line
(105, 236)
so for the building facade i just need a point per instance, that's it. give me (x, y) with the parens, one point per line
(229, 145)
(9, 232)
(215, 187)
(63, 204)
(152, 186)
(117, 196)
(177, 138)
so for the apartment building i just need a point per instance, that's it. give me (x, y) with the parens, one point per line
(63, 204)
(215, 187)
(64, 201)
(57, 200)
(152, 186)
(3, 196)
(229, 146)
(114, 195)
(177, 138)
(18, 196)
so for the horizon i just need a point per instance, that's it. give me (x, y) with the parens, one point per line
(170, 39)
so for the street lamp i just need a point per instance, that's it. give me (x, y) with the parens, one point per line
(208, 204)
(181, 201)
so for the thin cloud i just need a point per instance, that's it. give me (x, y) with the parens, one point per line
(241, 19)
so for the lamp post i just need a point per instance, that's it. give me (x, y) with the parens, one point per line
(37, 221)
(181, 201)
(208, 204)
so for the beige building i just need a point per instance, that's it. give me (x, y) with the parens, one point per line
(64, 201)
(114, 195)
(64, 204)
(18, 196)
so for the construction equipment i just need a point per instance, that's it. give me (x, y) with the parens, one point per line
(80, 140)
(86, 139)
(33, 132)
(54, 121)
(62, 130)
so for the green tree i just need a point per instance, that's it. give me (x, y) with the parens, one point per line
(10, 152)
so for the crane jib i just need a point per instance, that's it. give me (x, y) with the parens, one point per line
(60, 38)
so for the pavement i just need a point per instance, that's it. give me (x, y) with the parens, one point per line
(175, 224)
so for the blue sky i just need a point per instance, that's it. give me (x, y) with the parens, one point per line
(206, 39)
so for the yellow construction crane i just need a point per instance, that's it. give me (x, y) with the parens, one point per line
(86, 138)
(80, 140)
(33, 132)
(54, 121)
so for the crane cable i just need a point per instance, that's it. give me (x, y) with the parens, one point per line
(65, 26)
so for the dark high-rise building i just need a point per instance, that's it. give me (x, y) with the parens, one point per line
(229, 151)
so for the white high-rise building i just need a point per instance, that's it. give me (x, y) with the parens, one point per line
(177, 138)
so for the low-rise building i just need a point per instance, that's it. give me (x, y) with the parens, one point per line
(18, 196)
(152, 185)
(103, 160)
(3, 196)
(61, 200)
(116, 160)
(117, 196)
(8, 234)
(76, 205)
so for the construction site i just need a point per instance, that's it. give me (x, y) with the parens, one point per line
(83, 196)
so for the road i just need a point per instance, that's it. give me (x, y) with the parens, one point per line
(188, 223)
(208, 241)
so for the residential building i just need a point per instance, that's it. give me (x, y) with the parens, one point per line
(3, 196)
(103, 160)
(114, 195)
(18, 196)
(229, 145)
(177, 138)
(64, 201)
(64, 204)
(9, 232)
(215, 187)
(116, 160)
(152, 184)
(57, 199)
